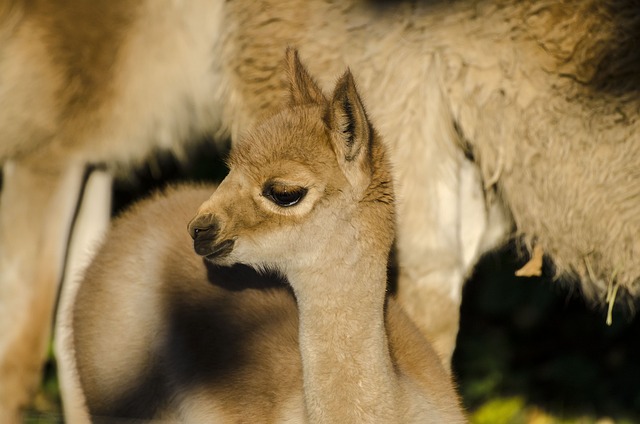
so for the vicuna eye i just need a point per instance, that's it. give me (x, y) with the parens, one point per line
(283, 195)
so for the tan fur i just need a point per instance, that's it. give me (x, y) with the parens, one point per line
(151, 312)
(72, 79)
(112, 348)
(541, 95)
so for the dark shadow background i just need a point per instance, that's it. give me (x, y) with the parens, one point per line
(538, 339)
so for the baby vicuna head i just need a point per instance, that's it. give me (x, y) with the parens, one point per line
(309, 186)
(309, 194)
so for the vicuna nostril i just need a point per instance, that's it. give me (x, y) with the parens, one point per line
(201, 225)
(197, 231)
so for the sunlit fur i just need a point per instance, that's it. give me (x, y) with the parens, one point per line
(498, 114)
(161, 333)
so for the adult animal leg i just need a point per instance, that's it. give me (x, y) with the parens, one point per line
(91, 223)
(444, 220)
(37, 206)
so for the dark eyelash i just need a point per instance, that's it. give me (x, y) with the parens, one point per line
(282, 195)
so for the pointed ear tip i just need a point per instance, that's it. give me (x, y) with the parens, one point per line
(346, 74)
(346, 83)
(291, 54)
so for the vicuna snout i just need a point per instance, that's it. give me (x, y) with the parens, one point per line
(205, 230)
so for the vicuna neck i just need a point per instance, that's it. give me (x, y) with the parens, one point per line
(343, 342)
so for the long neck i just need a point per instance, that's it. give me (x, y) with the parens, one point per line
(347, 369)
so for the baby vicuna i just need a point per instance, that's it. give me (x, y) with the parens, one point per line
(309, 195)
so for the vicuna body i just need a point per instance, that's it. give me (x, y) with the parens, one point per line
(309, 196)
(496, 113)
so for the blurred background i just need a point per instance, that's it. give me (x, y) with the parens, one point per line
(529, 350)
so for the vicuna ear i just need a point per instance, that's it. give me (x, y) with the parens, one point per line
(302, 88)
(351, 132)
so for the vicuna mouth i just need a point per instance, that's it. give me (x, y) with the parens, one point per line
(220, 250)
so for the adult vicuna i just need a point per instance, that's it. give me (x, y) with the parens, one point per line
(531, 105)
(310, 196)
